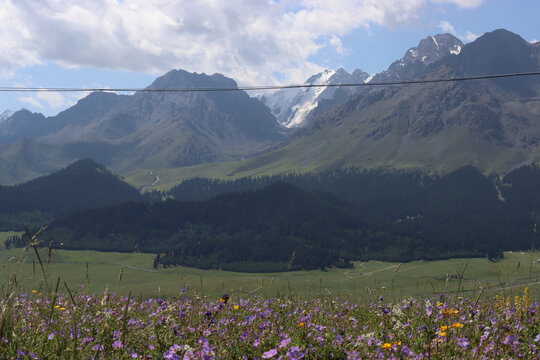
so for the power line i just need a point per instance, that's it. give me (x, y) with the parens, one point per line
(266, 87)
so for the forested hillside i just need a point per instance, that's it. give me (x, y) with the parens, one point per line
(284, 222)
(396, 216)
(83, 184)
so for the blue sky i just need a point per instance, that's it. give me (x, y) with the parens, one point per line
(114, 43)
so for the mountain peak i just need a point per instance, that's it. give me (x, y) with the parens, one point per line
(498, 52)
(183, 79)
(429, 50)
(434, 48)
(6, 115)
(86, 164)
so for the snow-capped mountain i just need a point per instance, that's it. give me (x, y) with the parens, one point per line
(6, 115)
(293, 107)
(428, 51)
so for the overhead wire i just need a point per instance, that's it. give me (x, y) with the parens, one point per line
(264, 87)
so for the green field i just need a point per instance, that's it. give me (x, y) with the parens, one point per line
(122, 273)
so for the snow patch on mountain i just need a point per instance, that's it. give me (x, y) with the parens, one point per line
(456, 50)
(435, 41)
(292, 107)
(6, 115)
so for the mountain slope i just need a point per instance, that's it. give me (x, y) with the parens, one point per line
(294, 108)
(148, 129)
(492, 125)
(6, 115)
(83, 184)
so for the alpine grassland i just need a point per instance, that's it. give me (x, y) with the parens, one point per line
(90, 305)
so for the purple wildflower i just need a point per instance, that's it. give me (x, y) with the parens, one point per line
(294, 353)
(284, 342)
(269, 354)
(463, 343)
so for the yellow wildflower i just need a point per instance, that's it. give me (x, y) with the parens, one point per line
(301, 324)
(457, 325)
(444, 328)
(386, 346)
(236, 307)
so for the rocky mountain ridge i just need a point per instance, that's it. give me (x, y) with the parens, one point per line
(147, 129)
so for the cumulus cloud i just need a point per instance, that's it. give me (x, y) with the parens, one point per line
(249, 40)
(449, 28)
(54, 99)
(469, 36)
(338, 45)
(30, 100)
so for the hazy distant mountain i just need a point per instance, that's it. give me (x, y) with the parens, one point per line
(147, 129)
(21, 124)
(491, 124)
(293, 107)
(6, 115)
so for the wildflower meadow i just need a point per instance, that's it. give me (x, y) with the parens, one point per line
(37, 326)
(55, 321)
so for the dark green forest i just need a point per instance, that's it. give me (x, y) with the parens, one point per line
(84, 184)
(308, 221)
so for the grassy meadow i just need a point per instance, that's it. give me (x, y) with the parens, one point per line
(96, 305)
(58, 308)
(121, 273)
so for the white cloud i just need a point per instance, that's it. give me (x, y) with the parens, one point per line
(249, 40)
(449, 28)
(54, 99)
(338, 45)
(469, 36)
(30, 100)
